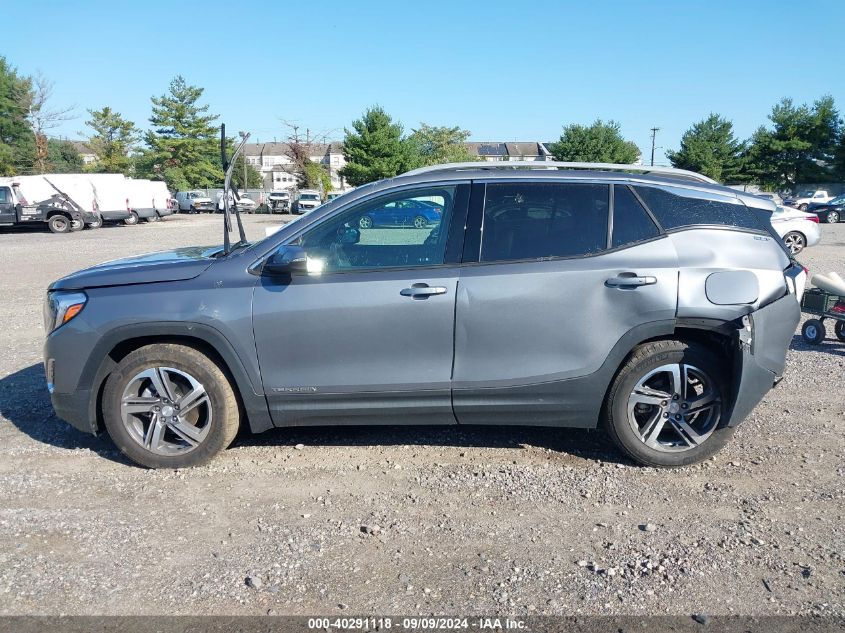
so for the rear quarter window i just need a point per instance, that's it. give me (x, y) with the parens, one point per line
(675, 211)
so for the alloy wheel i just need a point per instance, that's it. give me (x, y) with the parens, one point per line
(674, 408)
(832, 217)
(795, 242)
(165, 410)
(365, 222)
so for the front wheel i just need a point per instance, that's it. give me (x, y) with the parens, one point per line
(366, 222)
(666, 405)
(170, 406)
(132, 220)
(802, 207)
(832, 217)
(839, 330)
(420, 222)
(795, 242)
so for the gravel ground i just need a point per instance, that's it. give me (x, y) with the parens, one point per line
(409, 520)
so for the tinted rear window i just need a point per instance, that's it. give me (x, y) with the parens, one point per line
(674, 211)
(530, 220)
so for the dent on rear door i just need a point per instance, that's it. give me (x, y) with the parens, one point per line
(532, 338)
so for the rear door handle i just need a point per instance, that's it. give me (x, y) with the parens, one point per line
(422, 291)
(630, 280)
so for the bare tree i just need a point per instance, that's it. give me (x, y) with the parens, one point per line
(300, 149)
(43, 117)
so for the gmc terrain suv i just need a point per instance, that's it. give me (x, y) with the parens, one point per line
(651, 302)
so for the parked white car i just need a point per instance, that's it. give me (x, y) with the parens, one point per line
(245, 204)
(797, 229)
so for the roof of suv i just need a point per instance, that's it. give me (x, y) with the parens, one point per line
(545, 170)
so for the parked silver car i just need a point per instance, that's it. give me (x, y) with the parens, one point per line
(651, 302)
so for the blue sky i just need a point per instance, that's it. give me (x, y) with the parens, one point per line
(505, 70)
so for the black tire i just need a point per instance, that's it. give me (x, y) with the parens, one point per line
(839, 330)
(832, 217)
(802, 207)
(420, 222)
(643, 360)
(132, 220)
(365, 222)
(76, 225)
(151, 219)
(813, 331)
(96, 224)
(59, 224)
(223, 402)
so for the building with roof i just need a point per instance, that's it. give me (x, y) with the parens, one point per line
(273, 161)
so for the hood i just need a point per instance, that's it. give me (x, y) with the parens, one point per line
(176, 265)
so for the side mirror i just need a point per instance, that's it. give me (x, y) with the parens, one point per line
(285, 261)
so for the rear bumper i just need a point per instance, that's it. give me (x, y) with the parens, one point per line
(760, 365)
(145, 212)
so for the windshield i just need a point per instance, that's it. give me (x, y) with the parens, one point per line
(838, 199)
(806, 194)
(309, 196)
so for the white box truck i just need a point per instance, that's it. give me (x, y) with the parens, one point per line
(110, 193)
(163, 202)
(140, 199)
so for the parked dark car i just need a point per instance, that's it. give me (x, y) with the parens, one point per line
(656, 306)
(831, 212)
(416, 213)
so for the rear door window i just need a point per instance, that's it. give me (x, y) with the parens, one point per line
(530, 220)
(631, 223)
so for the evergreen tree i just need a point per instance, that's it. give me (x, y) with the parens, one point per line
(375, 149)
(17, 141)
(598, 143)
(800, 146)
(113, 139)
(63, 157)
(184, 144)
(709, 147)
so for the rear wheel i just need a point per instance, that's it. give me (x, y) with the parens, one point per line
(832, 217)
(666, 404)
(96, 224)
(151, 219)
(795, 242)
(366, 222)
(170, 406)
(132, 220)
(839, 330)
(802, 207)
(813, 331)
(76, 225)
(420, 222)
(59, 224)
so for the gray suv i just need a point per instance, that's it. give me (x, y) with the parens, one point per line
(651, 302)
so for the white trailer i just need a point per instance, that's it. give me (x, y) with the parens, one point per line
(110, 191)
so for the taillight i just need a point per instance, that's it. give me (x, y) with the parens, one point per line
(813, 218)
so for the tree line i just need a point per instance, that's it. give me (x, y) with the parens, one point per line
(799, 144)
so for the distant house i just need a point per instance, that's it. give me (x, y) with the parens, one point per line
(502, 150)
(273, 161)
(85, 152)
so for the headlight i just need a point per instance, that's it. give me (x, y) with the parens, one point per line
(60, 307)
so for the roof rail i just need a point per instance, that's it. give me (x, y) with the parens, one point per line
(553, 164)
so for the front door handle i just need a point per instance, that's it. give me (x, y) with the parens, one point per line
(630, 280)
(422, 291)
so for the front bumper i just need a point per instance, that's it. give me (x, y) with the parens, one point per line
(763, 354)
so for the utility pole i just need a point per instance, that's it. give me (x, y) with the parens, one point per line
(654, 131)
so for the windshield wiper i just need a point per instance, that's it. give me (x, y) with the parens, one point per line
(229, 168)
